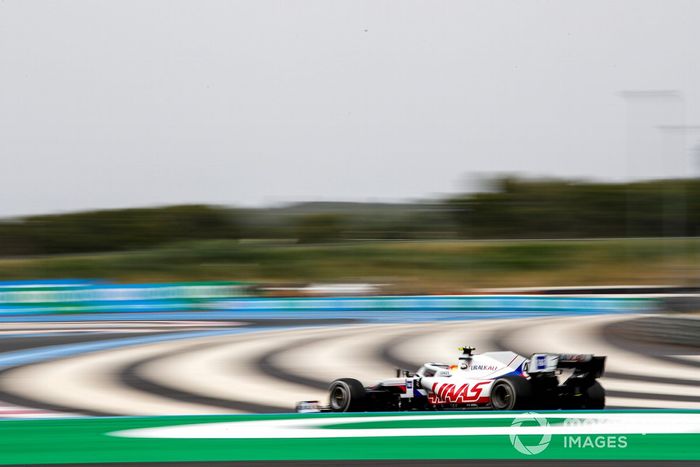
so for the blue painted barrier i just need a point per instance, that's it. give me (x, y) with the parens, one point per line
(80, 297)
(499, 303)
(75, 296)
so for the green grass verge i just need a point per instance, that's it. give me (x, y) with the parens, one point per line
(434, 266)
(91, 440)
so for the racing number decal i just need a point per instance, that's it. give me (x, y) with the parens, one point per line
(448, 393)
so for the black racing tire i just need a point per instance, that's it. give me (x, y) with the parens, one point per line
(591, 397)
(594, 397)
(347, 395)
(511, 393)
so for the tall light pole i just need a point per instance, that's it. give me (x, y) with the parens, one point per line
(665, 105)
(682, 131)
(655, 100)
(660, 103)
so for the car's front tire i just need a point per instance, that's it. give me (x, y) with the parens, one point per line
(347, 395)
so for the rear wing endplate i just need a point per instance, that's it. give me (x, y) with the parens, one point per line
(589, 364)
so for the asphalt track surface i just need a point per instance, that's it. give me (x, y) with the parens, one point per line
(184, 367)
(226, 367)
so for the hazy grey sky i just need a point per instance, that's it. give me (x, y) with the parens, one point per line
(142, 102)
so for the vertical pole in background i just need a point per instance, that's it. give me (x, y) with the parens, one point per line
(692, 158)
(647, 158)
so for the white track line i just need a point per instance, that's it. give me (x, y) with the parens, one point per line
(648, 403)
(90, 382)
(692, 359)
(440, 344)
(226, 368)
(582, 335)
(345, 353)
(229, 371)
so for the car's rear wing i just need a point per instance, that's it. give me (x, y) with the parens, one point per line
(583, 364)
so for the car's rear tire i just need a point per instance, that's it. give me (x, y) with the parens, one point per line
(591, 397)
(594, 397)
(511, 393)
(347, 395)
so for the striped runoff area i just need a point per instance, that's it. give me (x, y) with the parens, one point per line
(248, 370)
(606, 435)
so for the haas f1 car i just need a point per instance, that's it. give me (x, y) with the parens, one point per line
(492, 380)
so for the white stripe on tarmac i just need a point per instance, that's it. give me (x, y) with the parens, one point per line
(693, 359)
(581, 334)
(441, 346)
(226, 368)
(344, 353)
(90, 382)
(649, 403)
(228, 371)
(440, 342)
(612, 384)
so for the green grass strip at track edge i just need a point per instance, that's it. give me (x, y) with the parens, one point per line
(87, 440)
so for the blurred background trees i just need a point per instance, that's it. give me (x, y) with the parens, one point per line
(511, 208)
(115, 230)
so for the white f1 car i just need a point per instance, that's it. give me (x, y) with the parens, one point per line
(492, 380)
